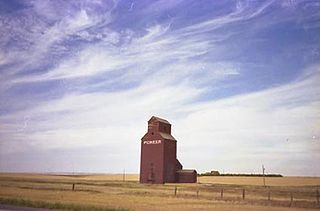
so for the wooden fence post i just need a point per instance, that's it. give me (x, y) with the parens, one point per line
(221, 193)
(197, 193)
(243, 194)
(269, 195)
(73, 186)
(318, 196)
(291, 201)
(175, 190)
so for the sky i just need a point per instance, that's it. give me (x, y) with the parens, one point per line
(238, 81)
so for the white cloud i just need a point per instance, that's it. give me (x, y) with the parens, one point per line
(243, 11)
(39, 41)
(172, 70)
(156, 51)
(102, 118)
(2, 59)
(273, 126)
(162, 5)
(236, 133)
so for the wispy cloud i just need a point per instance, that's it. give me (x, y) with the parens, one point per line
(41, 40)
(78, 76)
(273, 127)
(260, 124)
(156, 51)
(243, 11)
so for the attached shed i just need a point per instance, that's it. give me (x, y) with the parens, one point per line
(186, 176)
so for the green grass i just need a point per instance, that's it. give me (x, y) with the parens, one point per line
(49, 205)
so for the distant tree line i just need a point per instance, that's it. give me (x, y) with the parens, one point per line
(216, 173)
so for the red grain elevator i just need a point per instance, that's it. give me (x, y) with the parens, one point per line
(159, 162)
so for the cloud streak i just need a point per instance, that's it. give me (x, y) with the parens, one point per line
(233, 80)
(264, 122)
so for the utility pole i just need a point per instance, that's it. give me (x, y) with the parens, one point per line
(264, 179)
(124, 175)
(72, 167)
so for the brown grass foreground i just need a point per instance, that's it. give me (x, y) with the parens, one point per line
(111, 192)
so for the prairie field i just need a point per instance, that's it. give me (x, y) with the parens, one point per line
(270, 181)
(111, 191)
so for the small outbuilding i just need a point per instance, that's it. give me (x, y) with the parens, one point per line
(186, 176)
(215, 173)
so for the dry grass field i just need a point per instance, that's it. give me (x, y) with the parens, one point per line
(270, 181)
(286, 193)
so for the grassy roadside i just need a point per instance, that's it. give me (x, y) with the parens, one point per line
(57, 205)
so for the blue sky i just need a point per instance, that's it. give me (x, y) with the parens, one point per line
(239, 81)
